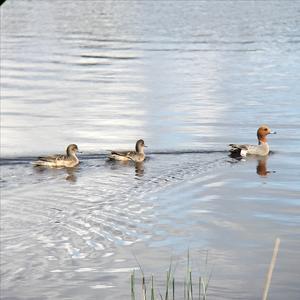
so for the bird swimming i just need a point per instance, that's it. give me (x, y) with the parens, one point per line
(137, 156)
(69, 160)
(261, 149)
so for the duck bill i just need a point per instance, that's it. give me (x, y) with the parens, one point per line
(273, 132)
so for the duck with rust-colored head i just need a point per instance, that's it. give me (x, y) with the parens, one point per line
(69, 160)
(261, 149)
(137, 156)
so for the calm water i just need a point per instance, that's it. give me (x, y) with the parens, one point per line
(188, 77)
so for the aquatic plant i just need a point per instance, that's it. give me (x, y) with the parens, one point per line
(194, 287)
(189, 287)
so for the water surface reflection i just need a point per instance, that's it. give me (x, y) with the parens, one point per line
(185, 76)
(46, 171)
(261, 166)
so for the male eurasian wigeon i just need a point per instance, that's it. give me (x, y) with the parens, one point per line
(261, 149)
(59, 161)
(138, 155)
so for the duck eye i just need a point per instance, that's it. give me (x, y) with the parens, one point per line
(265, 129)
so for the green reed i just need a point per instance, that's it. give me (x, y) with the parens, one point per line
(193, 288)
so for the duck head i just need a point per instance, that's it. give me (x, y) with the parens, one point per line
(139, 146)
(72, 149)
(262, 133)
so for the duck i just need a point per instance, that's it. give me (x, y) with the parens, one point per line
(69, 160)
(262, 149)
(137, 156)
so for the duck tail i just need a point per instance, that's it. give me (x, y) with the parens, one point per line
(39, 163)
(235, 150)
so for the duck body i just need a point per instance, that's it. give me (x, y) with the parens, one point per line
(127, 155)
(69, 160)
(244, 150)
(137, 156)
(262, 149)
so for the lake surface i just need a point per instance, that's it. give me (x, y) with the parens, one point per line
(187, 77)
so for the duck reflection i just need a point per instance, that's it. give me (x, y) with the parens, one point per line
(70, 172)
(139, 169)
(261, 167)
(139, 166)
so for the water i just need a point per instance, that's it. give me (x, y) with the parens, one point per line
(187, 77)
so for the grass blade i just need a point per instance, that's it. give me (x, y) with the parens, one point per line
(271, 268)
(200, 288)
(132, 283)
(152, 288)
(144, 288)
(191, 285)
